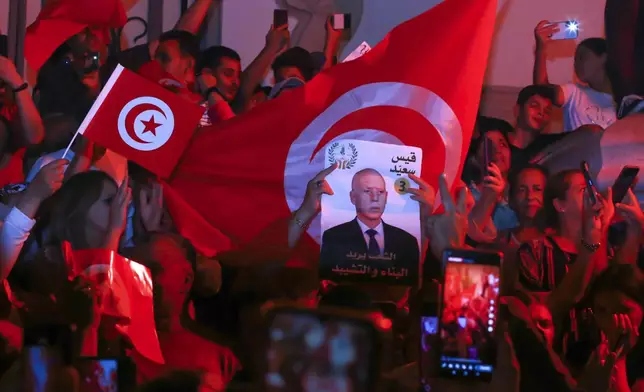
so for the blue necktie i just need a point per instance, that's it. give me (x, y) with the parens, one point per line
(374, 249)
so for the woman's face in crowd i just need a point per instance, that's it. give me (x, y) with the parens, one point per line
(98, 216)
(590, 68)
(528, 196)
(572, 207)
(607, 308)
(499, 151)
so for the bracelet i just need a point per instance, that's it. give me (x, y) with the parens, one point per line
(592, 248)
(211, 90)
(20, 88)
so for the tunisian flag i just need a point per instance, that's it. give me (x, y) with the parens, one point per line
(126, 287)
(420, 86)
(59, 20)
(142, 121)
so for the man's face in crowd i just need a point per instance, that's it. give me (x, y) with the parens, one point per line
(499, 149)
(172, 61)
(88, 54)
(589, 67)
(228, 73)
(287, 73)
(528, 195)
(369, 195)
(534, 115)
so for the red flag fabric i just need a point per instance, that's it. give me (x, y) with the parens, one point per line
(142, 121)
(127, 294)
(59, 20)
(154, 72)
(420, 86)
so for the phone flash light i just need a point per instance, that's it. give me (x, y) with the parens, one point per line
(573, 26)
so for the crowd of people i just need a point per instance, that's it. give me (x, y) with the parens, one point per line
(572, 285)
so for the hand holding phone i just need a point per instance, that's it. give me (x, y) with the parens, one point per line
(280, 18)
(566, 30)
(341, 21)
(468, 318)
(624, 182)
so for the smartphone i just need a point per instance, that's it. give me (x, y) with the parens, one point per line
(315, 350)
(590, 184)
(488, 154)
(280, 18)
(429, 343)
(567, 30)
(624, 182)
(98, 374)
(341, 21)
(469, 309)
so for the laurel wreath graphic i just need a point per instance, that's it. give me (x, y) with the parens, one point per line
(354, 154)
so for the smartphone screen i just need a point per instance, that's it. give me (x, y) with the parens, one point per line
(341, 21)
(469, 310)
(567, 30)
(280, 18)
(623, 182)
(488, 154)
(590, 184)
(429, 343)
(98, 374)
(42, 361)
(313, 353)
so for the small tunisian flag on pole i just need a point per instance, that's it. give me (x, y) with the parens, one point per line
(142, 121)
(420, 86)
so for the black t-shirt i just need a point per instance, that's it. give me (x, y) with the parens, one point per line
(523, 156)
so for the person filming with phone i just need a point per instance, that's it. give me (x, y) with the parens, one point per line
(589, 102)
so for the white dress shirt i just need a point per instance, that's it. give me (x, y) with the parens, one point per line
(380, 235)
(15, 230)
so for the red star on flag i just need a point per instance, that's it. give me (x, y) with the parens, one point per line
(150, 126)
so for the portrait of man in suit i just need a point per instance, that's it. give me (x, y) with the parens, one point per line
(367, 234)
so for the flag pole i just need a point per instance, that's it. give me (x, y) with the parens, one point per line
(97, 104)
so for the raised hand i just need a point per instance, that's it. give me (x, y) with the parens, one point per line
(544, 31)
(151, 207)
(278, 38)
(425, 195)
(448, 230)
(118, 208)
(9, 74)
(631, 211)
(317, 187)
(493, 181)
(48, 180)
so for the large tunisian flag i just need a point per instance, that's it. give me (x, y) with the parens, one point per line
(59, 20)
(420, 86)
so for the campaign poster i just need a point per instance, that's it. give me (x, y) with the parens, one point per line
(370, 225)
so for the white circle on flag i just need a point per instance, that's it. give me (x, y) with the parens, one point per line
(301, 167)
(146, 123)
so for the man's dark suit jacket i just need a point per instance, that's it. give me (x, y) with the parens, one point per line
(347, 238)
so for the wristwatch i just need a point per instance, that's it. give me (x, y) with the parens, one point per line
(590, 247)
(211, 90)
(20, 88)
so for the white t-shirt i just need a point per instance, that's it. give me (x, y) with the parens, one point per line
(585, 106)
